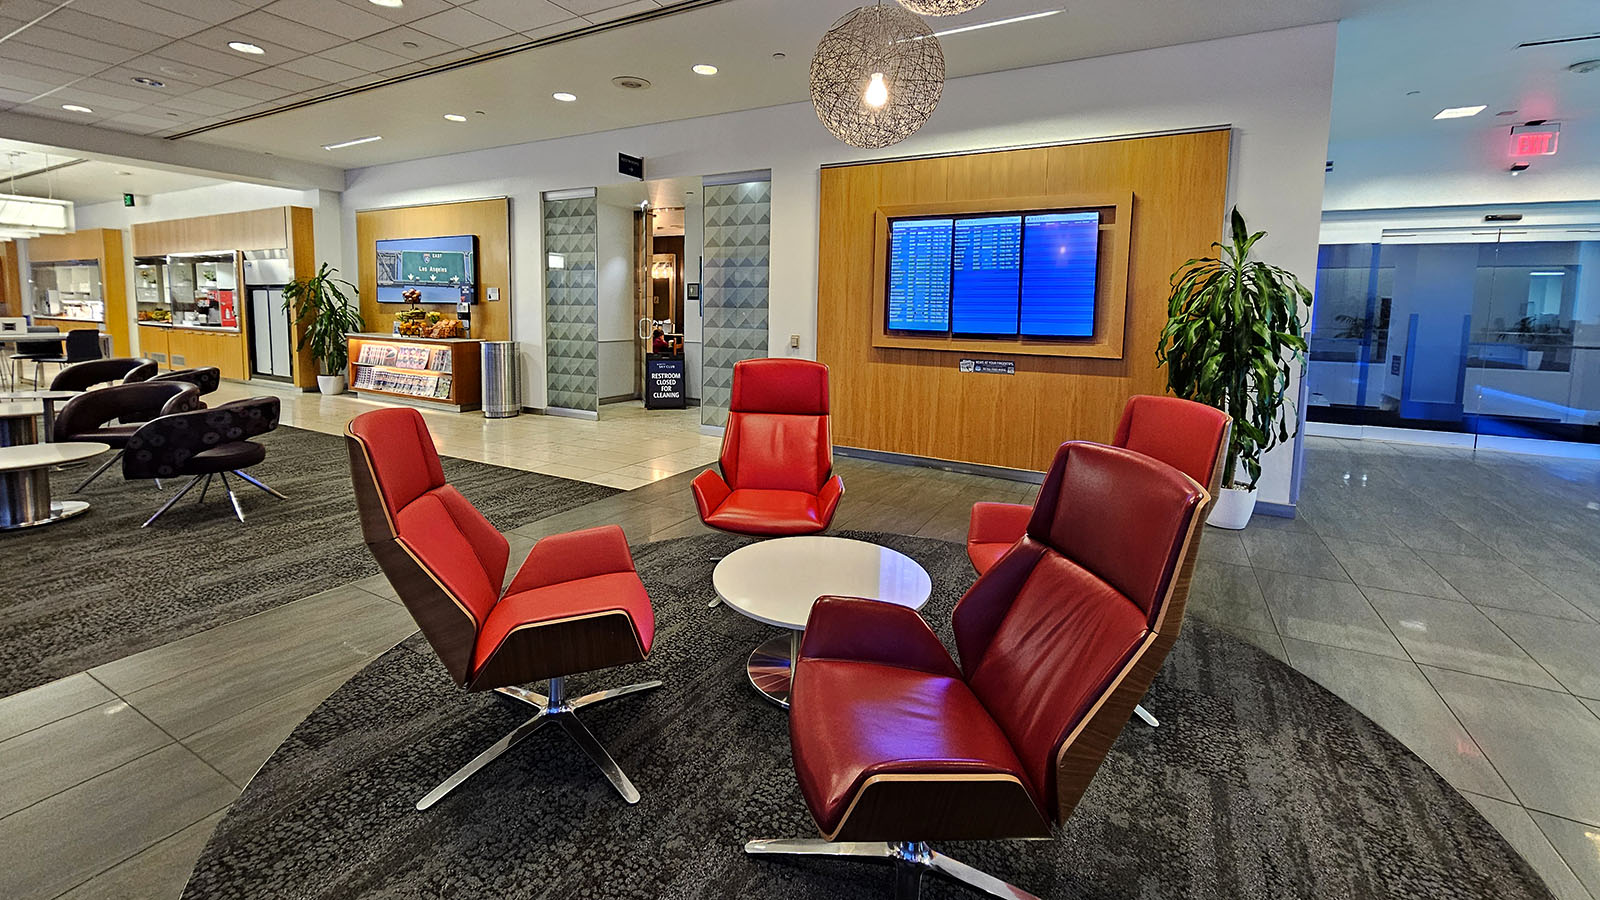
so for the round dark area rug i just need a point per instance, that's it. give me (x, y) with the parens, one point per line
(1258, 784)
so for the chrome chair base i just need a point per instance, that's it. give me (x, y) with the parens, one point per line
(98, 472)
(1144, 714)
(554, 707)
(237, 509)
(912, 860)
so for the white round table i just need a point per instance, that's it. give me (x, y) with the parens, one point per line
(14, 404)
(25, 483)
(777, 581)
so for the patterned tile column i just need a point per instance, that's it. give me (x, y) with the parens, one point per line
(572, 305)
(737, 267)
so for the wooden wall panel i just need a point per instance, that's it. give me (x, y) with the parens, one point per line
(260, 229)
(105, 246)
(490, 220)
(916, 401)
(10, 281)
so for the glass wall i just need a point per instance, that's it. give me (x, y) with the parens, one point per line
(1478, 332)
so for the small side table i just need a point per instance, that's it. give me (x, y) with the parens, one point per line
(25, 483)
(47, 399)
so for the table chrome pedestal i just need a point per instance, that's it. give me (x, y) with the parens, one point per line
(25, 484)
(771, 667)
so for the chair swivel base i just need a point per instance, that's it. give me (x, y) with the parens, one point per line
(552, 708)
(911, 861)
(237, 509)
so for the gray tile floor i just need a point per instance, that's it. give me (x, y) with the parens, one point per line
(1454, 598)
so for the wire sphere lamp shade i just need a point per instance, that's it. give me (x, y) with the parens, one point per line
(877, 76)
(941, 7)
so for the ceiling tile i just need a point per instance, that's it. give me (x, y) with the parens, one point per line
(289, 81)
(349, 20)
(562, 27)
(185, 104)
(67, 42)
(54, 59)
(284, 33)
(137, 122)
(215, 55)
(210, 11)
(257, 90)
(585, 7)
(445, 59)
(143, 15)
(510, 40)
(117, 34)
(171, 70)
(400, 15)
(519, 15)
(323, 70)
(123, 76)
(121, 87)
(395, 40)
(622, 12)
(16, 73)
(226, 99)
(460, 27)
(363, 57)
(105, 104)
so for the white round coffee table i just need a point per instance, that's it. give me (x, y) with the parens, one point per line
(776, 582)
(25, 483)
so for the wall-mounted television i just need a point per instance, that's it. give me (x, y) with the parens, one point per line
(438, 268)
(994, 275)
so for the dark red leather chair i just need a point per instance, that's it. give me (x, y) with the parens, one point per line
(112, 414)
(575, 605)
(895, 745)
(1191, 437)
(777, 453)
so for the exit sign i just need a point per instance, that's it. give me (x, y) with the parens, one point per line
(127, 199)
(1535, 140)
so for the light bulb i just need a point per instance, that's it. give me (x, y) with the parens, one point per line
(877, 92)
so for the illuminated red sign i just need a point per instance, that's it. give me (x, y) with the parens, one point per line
(1534, 141)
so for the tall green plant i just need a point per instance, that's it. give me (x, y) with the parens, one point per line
(1233, 333)
(320, 306)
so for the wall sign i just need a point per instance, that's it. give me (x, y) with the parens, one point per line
(631, 166)
(988, 366)
(663, 383)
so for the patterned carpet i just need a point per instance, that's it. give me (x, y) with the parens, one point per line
(1259, 785)
(99, 587)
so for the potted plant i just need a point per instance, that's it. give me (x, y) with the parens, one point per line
(324, 314)
(1233, 335)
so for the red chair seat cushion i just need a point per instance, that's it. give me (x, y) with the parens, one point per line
(864, 719)
(752, 511)
(984, 556)
(571, 599)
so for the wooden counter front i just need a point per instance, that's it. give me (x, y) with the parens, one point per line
(190, 347)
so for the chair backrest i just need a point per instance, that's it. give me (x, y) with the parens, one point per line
(84, 375)
(1056, 640)
(778, 435)
(37, 349)
(83, 344)
(128, 403)
(1188, 436)
(207, 379)
(444, 559)
(162, 446)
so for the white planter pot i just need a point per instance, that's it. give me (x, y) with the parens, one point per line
(1533, 359)
(330, 384)
(1233, 509)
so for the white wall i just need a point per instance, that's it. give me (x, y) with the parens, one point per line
(1274, 88)
(618, 329)
(227, 197)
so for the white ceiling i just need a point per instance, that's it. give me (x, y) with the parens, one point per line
(88, 52)
(740, 36)
(32, 171)
(1462, 53)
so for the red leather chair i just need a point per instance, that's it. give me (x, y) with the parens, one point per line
(895, 745)
(575, 605)
(1191, 437)
(777, 453)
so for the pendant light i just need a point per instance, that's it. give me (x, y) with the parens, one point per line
(941, 7)
(877, 76)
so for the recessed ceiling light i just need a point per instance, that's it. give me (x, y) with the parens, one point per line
(149, 82)
(452, 117)
(73, 107)
(245, 47)
(392, 4)
(352, 143)
(1506, 112)
(705, 69)
(564, 97)
(1460, 112)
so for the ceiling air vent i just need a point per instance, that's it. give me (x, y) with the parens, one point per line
(631, 83)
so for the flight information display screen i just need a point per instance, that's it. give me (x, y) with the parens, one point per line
(919, 276)
(999, 275)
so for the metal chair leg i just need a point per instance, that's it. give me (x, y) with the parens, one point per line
(250, 478)
(912, 860)
(1144, 714)
(483, 759)
(203, 488)
(237, 509)
(168, 505)
(602, 696)
(98, 472)
(586, 741)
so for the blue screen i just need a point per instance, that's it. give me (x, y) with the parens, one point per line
(919, 275)
(986, 279)
(1060, 258)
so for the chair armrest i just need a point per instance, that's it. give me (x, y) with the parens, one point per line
(998, 523)
(561, 558)
(828, 498)
(709, 492)
(852, 628)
